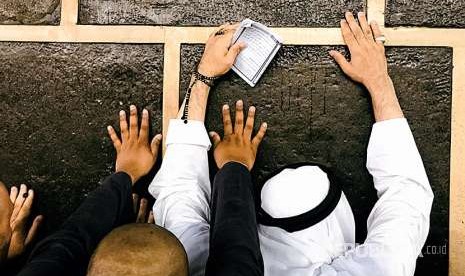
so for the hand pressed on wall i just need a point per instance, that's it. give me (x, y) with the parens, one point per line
(237, 144)
(134, 154)
(15, 210)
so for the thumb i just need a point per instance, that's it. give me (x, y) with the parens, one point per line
(215, 138)
(341, 61)
(155, 145)
(234, 51)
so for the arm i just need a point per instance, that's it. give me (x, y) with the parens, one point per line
(68, 251)
(399, 222)
(235, 249)
(70, 248)
(234, 245)
(182, 186)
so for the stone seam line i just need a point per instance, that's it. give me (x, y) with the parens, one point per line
(173, 37)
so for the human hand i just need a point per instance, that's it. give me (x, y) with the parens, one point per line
(237, 144)
(134, 155)
(219, 56)
(21, 201)
(140, 208)
(367, 63)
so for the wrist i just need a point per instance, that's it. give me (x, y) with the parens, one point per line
(131, 175)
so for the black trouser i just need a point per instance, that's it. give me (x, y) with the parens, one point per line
(67, 251)
(234, 244)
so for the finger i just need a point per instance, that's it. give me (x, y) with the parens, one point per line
(144, 127)
(239, 125)
(228, 130)
(376, 32)
(123, 125)
(151, 219)
(25, 210)
(20, 199)
(114, 138)
(259, 137)
(31, 235)
(142, 211)
(355, 28)
(348, 36)
(155, 145)
(362, 19)
(249, 124)
(133, 123)
(341, 61)
(234, 51)
(135, 201)
(13, 194)
(216, 139)
(218, 29)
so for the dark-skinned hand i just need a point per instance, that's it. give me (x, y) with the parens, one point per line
(237, 144)
(134, 154)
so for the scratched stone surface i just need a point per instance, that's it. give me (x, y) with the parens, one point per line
(315, 113)
(30, 12)
(56, 101)
(426, 13)
(300, 13)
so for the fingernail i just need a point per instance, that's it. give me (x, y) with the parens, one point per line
(239, 102)
(225, 107)
(343, 21)
(265, 125)
(361, 14)
(109, 128)
(159, 137)
(145, 113)
(122, 113)
(252, 109)
(132, 107)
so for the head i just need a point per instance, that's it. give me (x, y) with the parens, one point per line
(139, 249)
(295, 191)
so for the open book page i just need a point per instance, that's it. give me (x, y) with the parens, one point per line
(262, 46)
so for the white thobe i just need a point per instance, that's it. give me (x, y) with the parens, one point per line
(397, 226)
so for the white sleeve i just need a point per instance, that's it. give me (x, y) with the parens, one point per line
(182, 190)
(399, 222)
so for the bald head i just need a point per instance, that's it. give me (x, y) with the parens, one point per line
(139, 249)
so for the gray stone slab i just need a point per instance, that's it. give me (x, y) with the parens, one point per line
(315, 113)
(30, 12)
(321, 13)
(56, 101)
(426, 13)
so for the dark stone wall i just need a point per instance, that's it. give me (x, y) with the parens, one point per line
(317, 13)
(56, 101)
(31, 12)
(426, 13)
(315, 113)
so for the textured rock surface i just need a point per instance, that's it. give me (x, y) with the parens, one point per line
(315, 113)
(185, 12)
(426, 13)
(56, 101)
(30, 12)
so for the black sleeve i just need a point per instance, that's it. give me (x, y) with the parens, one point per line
(67, 252)
(234, 244)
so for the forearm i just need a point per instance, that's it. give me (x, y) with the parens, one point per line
(386, 106)
(70, 248)
(234, 245)
(197, 102)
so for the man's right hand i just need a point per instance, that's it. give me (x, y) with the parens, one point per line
(219, 56)
(237, 145)
(134, 154)
(368, 64)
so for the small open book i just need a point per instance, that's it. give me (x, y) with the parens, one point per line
(262, 46)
